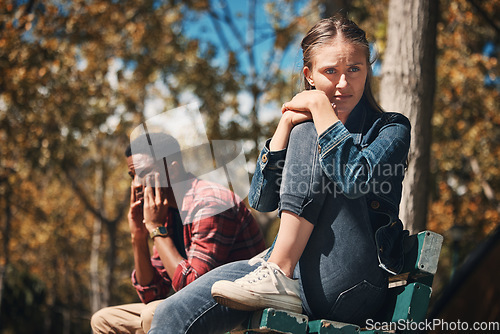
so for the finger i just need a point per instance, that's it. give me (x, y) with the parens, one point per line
(132, 193)
(283, 108)
(135, 204)
(148, 191)
(159, 194)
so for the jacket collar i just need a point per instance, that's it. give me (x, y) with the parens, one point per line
(356, 122)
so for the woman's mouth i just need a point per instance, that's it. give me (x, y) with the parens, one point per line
(341, 97)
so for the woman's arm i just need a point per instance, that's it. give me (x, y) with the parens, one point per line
(279, 141)
(357, 171)
(315, 105)
(265, 187)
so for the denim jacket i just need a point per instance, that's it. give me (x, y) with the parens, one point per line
(365, 157)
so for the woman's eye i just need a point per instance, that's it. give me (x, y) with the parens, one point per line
(330, 71)
(354, 69)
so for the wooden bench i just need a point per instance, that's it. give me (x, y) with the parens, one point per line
(407, 300)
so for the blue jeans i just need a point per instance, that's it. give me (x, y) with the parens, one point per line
(338, 272)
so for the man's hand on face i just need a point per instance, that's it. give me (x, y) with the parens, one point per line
(155, 203)
(135, 215)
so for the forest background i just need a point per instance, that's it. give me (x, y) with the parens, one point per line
(76, 77)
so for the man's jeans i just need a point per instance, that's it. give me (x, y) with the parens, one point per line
(338, 272)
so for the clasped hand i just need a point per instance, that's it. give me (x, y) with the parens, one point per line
(310, 105)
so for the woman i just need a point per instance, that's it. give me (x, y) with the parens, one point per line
(340, 191)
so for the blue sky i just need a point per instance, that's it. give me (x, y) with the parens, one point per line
(201, 27)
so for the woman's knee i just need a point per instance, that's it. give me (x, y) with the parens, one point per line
(306, 129)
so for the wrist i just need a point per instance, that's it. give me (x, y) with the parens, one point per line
(320, 103)
(280, 137)
(137, 229)
(139, 237)
(324, 115)
(286, 121)
(160, 231)
(151, 225)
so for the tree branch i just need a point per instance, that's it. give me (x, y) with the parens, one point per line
(218, 30)
(234, 29)
(487, 189)
(251, 40)
(86, 202)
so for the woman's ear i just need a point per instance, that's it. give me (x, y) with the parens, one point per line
(308, 75)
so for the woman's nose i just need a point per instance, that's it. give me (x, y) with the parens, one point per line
(342, 81)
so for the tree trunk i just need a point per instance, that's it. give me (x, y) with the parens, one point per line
(6, 229)
(111, 227)
(407, 86)
(95, 279)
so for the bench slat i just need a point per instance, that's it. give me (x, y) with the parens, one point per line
(271, 320)
(412, 303)
(332, 327)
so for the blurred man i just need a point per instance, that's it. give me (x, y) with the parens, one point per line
(200, 227)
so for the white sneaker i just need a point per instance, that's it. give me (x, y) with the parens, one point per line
(266, 286)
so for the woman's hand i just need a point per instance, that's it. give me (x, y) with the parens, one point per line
(306, 101)
(294, 117)
(306, 105)
(314, 103)
(155, 203)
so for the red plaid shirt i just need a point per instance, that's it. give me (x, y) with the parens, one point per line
(213, 235)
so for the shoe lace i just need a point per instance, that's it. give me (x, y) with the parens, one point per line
(264, 270)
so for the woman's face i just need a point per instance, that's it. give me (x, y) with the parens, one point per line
(339, 69)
